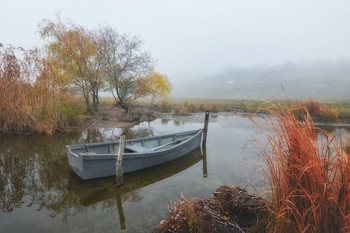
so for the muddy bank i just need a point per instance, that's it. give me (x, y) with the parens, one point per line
(229, 209)
(111, 116)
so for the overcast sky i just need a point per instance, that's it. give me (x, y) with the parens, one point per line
(196, 38)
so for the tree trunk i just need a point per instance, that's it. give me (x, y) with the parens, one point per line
(94, 99)
(127, 115)
(152, 101)
(87, 100)
(121, 100)
(115, 98)
(97, 98)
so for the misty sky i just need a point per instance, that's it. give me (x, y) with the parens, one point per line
(196, 38)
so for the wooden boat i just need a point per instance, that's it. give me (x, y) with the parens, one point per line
(105, 193)
(97, 160)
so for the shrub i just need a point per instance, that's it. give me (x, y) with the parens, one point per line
(165, 106)
(213, 107)
(313, 107)
(177, 109)
(329, 114)
(201, 107)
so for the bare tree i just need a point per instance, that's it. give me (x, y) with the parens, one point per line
(124, 60)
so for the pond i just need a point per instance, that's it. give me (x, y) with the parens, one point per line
(38, 193)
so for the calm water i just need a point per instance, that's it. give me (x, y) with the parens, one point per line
(39, 194)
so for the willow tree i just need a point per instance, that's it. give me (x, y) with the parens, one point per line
(124, 61)
(72, 52)
(158, 86)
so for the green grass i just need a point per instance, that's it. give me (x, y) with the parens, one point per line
(341, 108)
(107, 101)
(187, 106)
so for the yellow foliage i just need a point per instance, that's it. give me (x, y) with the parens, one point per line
(158, 85)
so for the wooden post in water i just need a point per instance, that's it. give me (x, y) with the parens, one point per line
(118, 165)
(205, 131)
(205, 166)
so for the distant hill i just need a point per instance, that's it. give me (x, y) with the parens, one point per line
(300, 80)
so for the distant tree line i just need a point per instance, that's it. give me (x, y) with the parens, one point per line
(89, 61)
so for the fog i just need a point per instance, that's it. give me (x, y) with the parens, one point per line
(321, 80)
(207, 39)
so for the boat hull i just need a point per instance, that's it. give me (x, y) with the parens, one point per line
(90, 166)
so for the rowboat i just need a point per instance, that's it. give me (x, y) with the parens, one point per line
(104, 192)
(96, 160)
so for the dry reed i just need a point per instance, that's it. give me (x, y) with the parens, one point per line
(28, 103)
(308, 176)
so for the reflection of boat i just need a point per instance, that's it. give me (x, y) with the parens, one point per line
(94, 191)
(97, 190)
(98, 159)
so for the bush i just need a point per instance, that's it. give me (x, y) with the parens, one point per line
(329, 114)
(177, 110)
(165, 106)
(213, 108)
(313, 107)
(189, 107)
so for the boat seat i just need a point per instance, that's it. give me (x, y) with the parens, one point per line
(88, 153)
(135, 148)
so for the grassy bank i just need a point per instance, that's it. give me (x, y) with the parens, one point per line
(320, 111)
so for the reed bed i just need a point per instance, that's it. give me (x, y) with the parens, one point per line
(307, 175)
(28, 103)
(327, 113)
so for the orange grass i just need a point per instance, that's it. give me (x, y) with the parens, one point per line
(314, 108)
(29, 104)
(308, 176)
(329, 114)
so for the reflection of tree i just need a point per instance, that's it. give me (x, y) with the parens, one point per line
(34, 173)
(131, 133)
(94, 135)
(333, 129)
(33, 170)
(165, 121)
(329, 128)
(113, 134)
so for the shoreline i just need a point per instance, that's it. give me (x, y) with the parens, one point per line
(111, 116)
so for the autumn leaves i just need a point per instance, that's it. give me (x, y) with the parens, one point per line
(90, 61)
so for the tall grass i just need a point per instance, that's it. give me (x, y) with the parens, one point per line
(329, 113)
(28, 103)
(315, 109)
(308, 176)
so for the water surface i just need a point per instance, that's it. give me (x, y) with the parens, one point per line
(38, 193)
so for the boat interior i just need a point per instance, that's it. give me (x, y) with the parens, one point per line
(142, 145)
